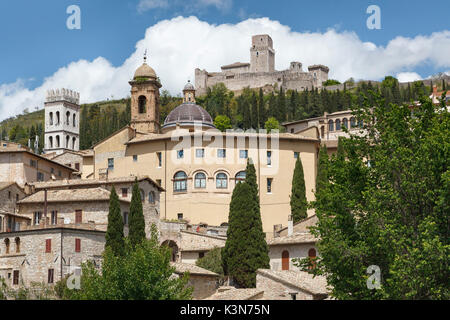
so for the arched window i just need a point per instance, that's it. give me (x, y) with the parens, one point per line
(200, 180)
(51, 118)
(142, 195)
(240, 177)
(50, 142)
(67, 142)
(17, 241)
(330, 125)
(221, 181)
(180, 181)
(142, 102)
(345, 123)
(74, 120)
(361, 123)
(285, 260)
(68, 118)
(57, 118)
(151, 197)
(6, 245)
(338, 124)
(74, 140)
(57, 142)
(352, 122)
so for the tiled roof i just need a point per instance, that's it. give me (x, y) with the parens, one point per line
(5, 184)
(91, 182)
(200, 245)
(300, 279)
(295, 238)
(192, 269)
(69, 195)
(236, 294)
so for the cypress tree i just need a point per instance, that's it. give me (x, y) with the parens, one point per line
(298, 193)
(137, 223)
(114, 232)
(246, 248)
(322, 169)
(261, 109)
(250, 178)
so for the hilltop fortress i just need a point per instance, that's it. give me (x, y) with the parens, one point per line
(261, 72)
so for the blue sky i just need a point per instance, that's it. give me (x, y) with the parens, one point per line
(35, 42)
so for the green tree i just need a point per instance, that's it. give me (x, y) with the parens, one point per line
(143, 273)
(298, 193)
(322, 168)
(387, 204)
(246, 248)
(136, 232)
(114, 232)
(222, 123)
(212, 261)
(272, 124)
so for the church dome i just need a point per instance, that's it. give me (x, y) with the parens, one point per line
(145, 71)
(189, 86)
(188, 114)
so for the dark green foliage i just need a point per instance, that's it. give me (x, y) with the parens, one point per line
(298, 194)
(136, 232)
(143, 273)
(322, 168)
(114, 233)
(250, 178)
(393, 212)
(212, 261)
(246, 249)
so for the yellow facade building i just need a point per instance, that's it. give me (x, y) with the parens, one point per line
(198, 165)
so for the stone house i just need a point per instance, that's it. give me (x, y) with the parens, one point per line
(204, 282)
(46, 255)
(71, 159)
(10, 194)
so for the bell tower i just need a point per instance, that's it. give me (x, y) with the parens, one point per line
(189, 93)
(145, 99)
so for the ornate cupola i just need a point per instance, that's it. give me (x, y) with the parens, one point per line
(189, 93)
(145, 99)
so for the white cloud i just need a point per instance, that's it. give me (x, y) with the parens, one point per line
(177, 46)
(408, 76)
(145, 5)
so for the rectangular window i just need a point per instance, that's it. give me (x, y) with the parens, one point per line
(125, 218)
(32, 163)
(221, 153)
(135, 158)
(296, 154)
(37, 218)
(9, 195)
(78, 216)
(243, 154)
(51, 273)
(200, 153)
(77, 166)
(159, 155)
(16, 277)
(180, 216)
(59, 173)
(48, 246)
(40, 176)
(269, 185)
(110, 164)
(77, 245)
(201, 255)
(124, 192)
(180, 154)
(52, 170)
(54, 217)
(269, 158)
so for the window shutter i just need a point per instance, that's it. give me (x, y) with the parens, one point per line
(77, 245)
(48, 245)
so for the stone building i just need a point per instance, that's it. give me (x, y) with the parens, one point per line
(70, 159)
(261, 72)
(46, 255)
(20, 164)
(10, 194)
(203, 282)
(198, 165)
(62, 121)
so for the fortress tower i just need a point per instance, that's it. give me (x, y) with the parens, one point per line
(145, 100)
(262, 54)
(62, 121)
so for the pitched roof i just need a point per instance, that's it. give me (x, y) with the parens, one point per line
(91, 182)
(181, 268)
(70, 195)
(299, 279)
(236, 294)
(295, 238)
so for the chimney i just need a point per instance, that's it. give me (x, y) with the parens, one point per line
(290, 226)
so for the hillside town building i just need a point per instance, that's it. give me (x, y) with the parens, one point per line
(260, 72)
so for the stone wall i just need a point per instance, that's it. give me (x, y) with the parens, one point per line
(9, 197)
(275, 290)
(295, 251)
(203, 285)
(70, 159)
